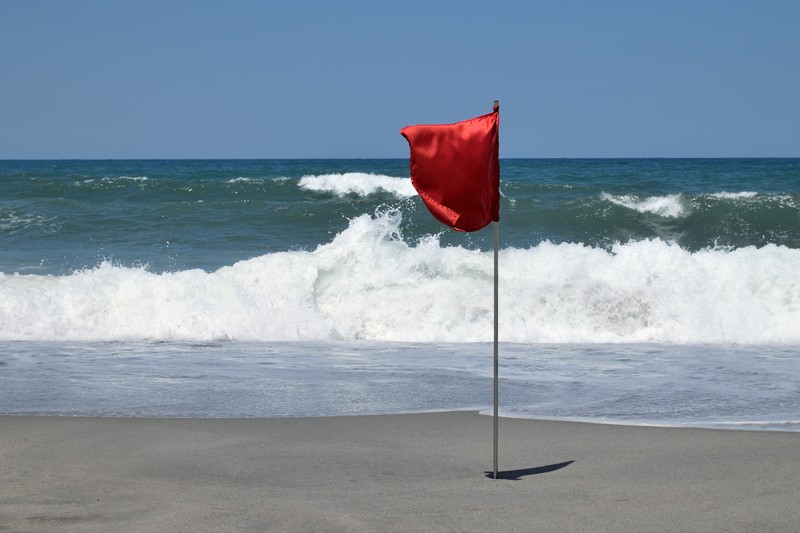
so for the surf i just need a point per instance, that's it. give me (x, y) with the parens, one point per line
(372, 283)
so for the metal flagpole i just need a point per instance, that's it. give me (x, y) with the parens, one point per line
(496, 253)
(496, 327)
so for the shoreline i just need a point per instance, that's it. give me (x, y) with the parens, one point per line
(422, 471)
(747, 426)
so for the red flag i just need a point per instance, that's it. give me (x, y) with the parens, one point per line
(455, 168)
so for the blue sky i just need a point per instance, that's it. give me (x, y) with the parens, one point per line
(263, 79)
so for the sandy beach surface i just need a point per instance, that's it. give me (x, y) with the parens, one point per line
(417, 472)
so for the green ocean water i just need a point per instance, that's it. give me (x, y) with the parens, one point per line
(62, 216)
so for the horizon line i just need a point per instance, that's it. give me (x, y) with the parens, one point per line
(542, 158)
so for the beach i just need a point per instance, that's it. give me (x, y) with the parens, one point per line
(407, 472)
(297, 345)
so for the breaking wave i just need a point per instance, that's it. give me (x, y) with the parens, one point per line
(370, 283)
(358, 183)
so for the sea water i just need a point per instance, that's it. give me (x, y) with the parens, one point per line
(650, 291)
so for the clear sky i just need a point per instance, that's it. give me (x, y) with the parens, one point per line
(339, 78)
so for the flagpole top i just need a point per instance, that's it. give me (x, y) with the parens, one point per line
(496, 106)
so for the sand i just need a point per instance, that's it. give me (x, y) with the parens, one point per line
(419, 472)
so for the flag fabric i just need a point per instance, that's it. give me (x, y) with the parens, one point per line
(455, 168)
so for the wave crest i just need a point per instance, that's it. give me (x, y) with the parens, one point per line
(670, 206)
(358, 183)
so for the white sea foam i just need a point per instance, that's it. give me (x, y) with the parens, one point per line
(782, 200)
(368, 283)
(734, 195)
(12, 222)
(670, 206)
(358, 183)
(112, 179)
(243, 179)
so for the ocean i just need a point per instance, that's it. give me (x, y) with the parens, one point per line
(632, 291)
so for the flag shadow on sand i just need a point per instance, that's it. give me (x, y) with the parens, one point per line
(516, 475)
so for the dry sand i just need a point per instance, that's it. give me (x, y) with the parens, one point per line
(420, 472)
